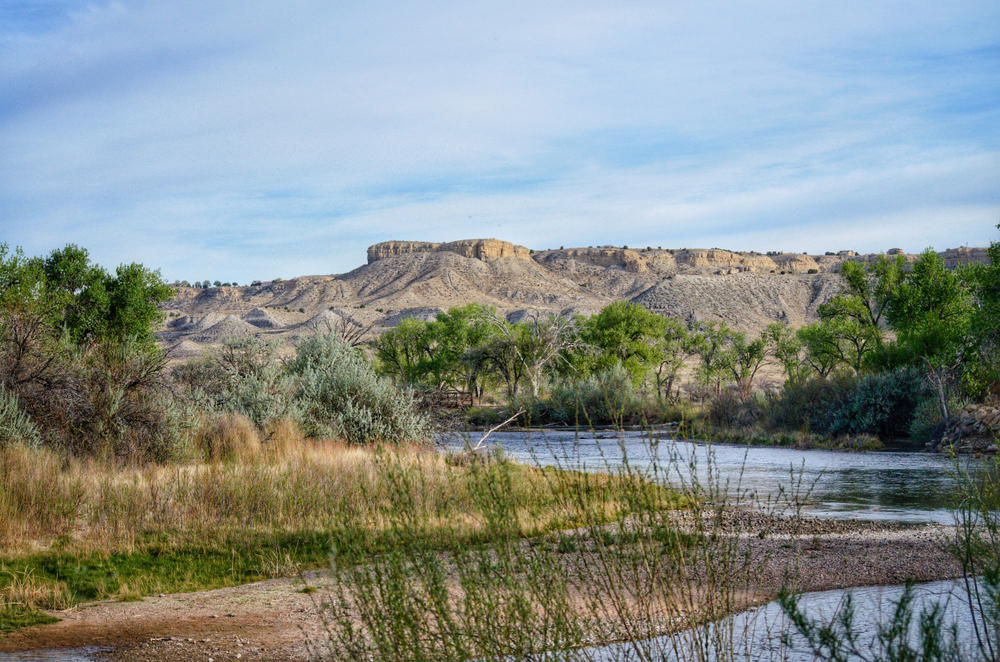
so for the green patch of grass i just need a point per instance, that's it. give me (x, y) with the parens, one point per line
(156, 568)
(15, 617)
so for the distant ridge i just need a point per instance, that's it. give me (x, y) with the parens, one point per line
(402, 279)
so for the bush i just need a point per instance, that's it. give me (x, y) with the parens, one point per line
(604, 398)
(243, 377)
(15, 426)
(806, 405)
(882, 404)
(730, 409)
(340, 396)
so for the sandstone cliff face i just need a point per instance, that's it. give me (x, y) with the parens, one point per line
(479, 249)
(402, 278)
(957, 257)
(607, 257)
(728, 262)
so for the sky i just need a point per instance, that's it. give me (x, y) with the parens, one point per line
(255, 140)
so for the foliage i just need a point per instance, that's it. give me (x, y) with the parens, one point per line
(711, 342)
(676, 345)
(15, 426)
(981, 365)
(627, 334)
(930, 311)
(340, 396)
(603, 398)
(805, 405)
(882, 404)
(850, 326)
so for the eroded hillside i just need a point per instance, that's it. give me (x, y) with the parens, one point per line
(404, 279)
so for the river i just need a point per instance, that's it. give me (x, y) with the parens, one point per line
(887, 486)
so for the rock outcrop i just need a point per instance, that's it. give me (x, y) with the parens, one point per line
(402, 279)
(974, 431)
(479, 249)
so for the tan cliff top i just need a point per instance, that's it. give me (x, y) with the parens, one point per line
(745, 289)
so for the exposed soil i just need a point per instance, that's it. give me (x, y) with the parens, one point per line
(275, 620)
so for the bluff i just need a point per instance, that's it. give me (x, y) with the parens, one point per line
(401, 279)
(479, 249)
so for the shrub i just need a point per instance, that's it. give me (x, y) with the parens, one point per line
(604, 398)
(730, 409)
(882, 404)
(243, 377)
(15, 426)
(340, 396)
(805, 405)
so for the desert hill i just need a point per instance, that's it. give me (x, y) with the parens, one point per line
(404, 279)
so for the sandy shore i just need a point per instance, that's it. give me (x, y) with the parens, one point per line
(274, 620)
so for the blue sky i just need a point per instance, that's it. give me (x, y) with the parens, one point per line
(236, 141)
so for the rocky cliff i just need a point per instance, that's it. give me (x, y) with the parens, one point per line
(403, 279)
(478, 249)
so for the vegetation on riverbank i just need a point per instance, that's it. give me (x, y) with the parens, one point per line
(75, 529)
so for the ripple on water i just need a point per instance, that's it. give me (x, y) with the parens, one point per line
(88, 654)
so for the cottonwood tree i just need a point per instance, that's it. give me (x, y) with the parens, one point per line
(711, 343)
(525, 350)
(676, 346)
(627, 334)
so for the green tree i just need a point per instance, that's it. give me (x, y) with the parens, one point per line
(931, 312)
(745, 358)
(456, 332)
(832, 343)
(711, 344)
(854, 318)
(981, 365)
(675, 346)
(406, 352)
(787, 348)
(626, 333)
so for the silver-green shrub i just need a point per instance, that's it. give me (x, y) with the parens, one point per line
(243, 376)
(603, 398)
(15, 426)
(339, 395)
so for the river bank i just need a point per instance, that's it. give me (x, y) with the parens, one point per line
(275, 620)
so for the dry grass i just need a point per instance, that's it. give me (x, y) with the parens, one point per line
(270, 482)
(25, 589)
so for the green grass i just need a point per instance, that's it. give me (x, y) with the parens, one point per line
(15, 617)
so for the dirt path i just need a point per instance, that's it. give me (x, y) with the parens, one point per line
(274, 620)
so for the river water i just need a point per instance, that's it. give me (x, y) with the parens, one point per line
(887, 486)
(765, 634)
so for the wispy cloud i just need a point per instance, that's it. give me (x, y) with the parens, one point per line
(265, 139)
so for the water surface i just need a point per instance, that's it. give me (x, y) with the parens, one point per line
(888, 486)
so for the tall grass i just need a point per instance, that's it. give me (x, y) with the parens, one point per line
(647, 561)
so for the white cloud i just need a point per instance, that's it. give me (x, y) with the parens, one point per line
(265, 138)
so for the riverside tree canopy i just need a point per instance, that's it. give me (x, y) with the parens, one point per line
(68, 292)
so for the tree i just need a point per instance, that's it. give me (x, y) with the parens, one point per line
(787, 349)
(745, 358)
(981, 364)
(626, 333)
(217, 283)
(406, 351)
(675, 346)
(854, 318)
(931, 312)
(456, 332)
(71, 293)
(711, 343)
(526, 349)
(827, 346)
